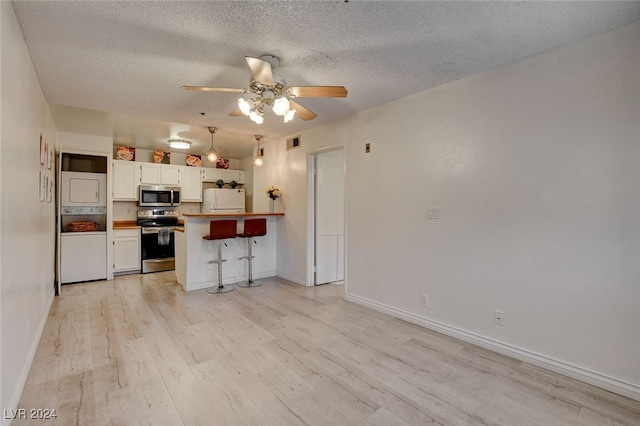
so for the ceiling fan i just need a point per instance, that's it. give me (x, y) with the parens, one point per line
(270, 89)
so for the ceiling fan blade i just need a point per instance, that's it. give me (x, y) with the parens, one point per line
(212, 89)
(302, 112)
(261, 70)
(236, 113)
(318, 91)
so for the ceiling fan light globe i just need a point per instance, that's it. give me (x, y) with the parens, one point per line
(289, 115)
(256, 117)
(281, 106)
(244, 106)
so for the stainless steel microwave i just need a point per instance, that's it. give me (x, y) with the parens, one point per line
(159, 196)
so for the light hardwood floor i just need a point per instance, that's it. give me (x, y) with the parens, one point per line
(138, 350)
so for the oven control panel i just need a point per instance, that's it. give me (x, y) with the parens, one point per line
(157, 213)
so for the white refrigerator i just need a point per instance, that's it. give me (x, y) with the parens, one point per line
(223, 200)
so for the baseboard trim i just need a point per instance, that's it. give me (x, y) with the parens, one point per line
(291, 278)
(591, 377)
(31, 355)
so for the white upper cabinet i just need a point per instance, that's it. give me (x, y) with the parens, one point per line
(126, 176)
(150, 173)
(191, 184)
(211, 175)
(229, 175)
(169, 174)
(159, 174)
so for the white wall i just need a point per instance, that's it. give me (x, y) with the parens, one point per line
(287, 170)
(535, 168)
(27, 226)
(77, 142)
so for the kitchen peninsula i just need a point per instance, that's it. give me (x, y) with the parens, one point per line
(192, 253)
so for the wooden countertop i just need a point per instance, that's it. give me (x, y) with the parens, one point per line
(230, 214)
(125, 224)
(132, 224)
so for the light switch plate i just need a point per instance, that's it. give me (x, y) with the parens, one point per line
(433, 213)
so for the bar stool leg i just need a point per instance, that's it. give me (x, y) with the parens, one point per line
(250, 282)
(221, 288)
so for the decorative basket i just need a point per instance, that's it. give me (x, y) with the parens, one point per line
(83, 226)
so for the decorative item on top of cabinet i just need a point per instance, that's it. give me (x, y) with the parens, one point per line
(126, 153)
(161, 157)
(222, 163)
(194, 160)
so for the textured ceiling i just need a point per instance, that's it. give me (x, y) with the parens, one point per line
(126, 61)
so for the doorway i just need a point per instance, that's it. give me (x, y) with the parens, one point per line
(328, 217)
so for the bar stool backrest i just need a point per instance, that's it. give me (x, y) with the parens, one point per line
(222, 229)
(254, 228)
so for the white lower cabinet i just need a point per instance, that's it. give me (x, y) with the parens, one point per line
(83, 256)
(126, 251)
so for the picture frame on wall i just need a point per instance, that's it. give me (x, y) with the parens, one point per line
(43, 149)
(43, 186)
(49, 189)
(50, 155)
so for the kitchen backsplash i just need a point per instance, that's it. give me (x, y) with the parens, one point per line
(128, 210)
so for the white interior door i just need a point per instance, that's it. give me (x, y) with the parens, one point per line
(329, 217)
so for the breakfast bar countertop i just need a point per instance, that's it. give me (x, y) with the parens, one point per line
(193, 254)
(231, 214)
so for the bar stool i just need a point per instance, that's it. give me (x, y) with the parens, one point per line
(220, 230)
(252, 228)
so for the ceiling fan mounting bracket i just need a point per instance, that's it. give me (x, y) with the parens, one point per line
(273, 60)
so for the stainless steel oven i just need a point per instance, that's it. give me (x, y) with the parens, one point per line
(158, 239)
(159, 196)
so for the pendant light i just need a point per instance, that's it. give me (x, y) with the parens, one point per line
(258, 160)
(212, 154)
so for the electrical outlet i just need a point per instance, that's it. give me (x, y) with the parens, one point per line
(498, 318)
(433, 213)
(424, 301)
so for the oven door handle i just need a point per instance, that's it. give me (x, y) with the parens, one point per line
(156, 230)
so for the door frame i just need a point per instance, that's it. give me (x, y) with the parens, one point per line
(311, 211)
